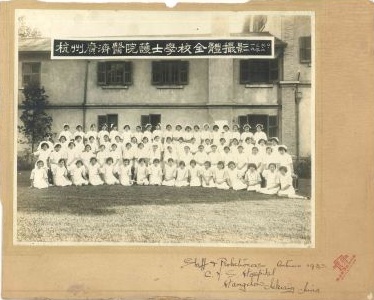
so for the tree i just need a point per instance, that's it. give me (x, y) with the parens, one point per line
(36, 122)
(25, 31)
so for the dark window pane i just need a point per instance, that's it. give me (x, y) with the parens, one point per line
(305, 51)
(170, 72)
(31, 72)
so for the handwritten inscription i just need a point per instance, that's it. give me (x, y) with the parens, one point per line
(245, 275)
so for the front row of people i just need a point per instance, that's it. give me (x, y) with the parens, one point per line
(276, 181)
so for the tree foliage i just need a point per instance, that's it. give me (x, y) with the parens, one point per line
(36, 122)
(25, 31)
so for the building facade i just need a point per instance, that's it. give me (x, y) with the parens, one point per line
(274, 92)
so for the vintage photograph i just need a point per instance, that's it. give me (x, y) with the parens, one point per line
(164, 128)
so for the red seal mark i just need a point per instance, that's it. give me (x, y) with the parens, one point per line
(343, 264)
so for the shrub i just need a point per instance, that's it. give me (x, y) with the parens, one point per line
(303, 167)
(25, 160)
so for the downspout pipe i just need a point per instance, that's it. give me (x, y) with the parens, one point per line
(297, 117)
(84, 104)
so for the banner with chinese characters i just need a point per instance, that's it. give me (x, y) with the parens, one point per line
(249, 47)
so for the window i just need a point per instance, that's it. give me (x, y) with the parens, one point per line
(170, 72)
(107, 119)
(270, 123)
(305, 54)
(259, 71)
(31, 73)
(152, 119)
(114, 73)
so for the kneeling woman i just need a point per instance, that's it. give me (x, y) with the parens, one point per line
(272, 181)
(286, 188)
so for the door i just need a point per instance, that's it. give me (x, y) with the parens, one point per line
(144, 120)
(150, 119)
(242, 120)
(101, 120)
(253, 120)
(155, 120)
(112, 120)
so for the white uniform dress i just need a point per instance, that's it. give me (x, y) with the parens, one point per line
(39, 178)
(241, 160)
(43, 156)
(141, 175)
(220, 177)
(285, 160)
(167, 133)
(272, 178)
(94, 174)
(168, 155)
(260, 135)
(253, 180)
(102, 156)
(77, 176)
(85, 157)
(155, 175)
(194, 173)
(206, 134)
(108, 173)
(255, 159)
(170, 173)
(268, 159)
(55, 156)
(59, 176)
(201, 158)
(113, 134)
(181, 177)
(124, 175)
(236, 135)
(79, 133)
(214, 158)
(67, 134)
(216, 136)
(91, 133)
(138, 135)
(147, 134)
(284, 181)
(126, 137)
(207, 178)
(178, 134)
(244, 135)
(94, 146)
(101, 135)
(235, 178)
(71, 157)
(186, 157)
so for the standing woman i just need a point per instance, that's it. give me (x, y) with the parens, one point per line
(259, 134)
(206, 133)
(91, 132)
(126, 134)
(79, 132)
(104, 131)
(246, 133)
(66, 133)
(197, 134)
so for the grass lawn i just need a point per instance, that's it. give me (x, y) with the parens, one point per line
(159, 215)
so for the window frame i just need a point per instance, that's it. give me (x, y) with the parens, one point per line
(271, 125)
(31, 74)
(170, 73)
(305, 49)
(106, 72)
(247, 67)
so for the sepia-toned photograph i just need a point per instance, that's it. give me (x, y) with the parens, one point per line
(164, 128)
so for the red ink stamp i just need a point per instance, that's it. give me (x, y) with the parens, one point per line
(343, 264)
